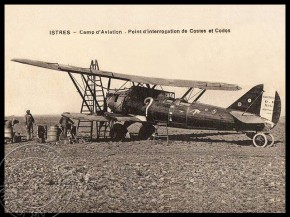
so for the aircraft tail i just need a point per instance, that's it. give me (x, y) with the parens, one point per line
(259, 102)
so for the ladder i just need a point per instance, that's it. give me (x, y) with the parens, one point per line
(102, 127)
(88, 106)
(93, 103)
(157, 135)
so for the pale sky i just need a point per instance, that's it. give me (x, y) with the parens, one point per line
(252, 53)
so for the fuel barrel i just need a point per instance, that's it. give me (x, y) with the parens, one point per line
(40, 131)
(8, 133)
(53, 134)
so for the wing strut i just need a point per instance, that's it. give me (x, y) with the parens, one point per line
(187, 92)
(202, 92)
(78, 89)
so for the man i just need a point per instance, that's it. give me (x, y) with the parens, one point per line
(65, 124)
(11, 123)
(29, 120)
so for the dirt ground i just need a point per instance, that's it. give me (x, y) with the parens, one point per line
(197, 171)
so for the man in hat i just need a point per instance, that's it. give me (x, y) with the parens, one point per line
(66, 124)
(29, 120)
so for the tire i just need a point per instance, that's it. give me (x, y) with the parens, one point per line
(271, 141)
(146, 131)
(118, 132)
(260, 140)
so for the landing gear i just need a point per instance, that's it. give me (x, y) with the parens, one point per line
(146, 131)
(271, 139)
(260, 140)
(118, 132)
(263, 139)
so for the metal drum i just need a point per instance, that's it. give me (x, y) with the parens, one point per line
(8, 133)
(53, 134)
(41, 132)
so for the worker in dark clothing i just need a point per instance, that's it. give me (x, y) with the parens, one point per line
(29, 120)
(66, 124)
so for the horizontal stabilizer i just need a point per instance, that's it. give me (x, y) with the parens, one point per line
(247, 118)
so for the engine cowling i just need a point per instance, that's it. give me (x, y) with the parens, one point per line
(135, 100)
(115, 101)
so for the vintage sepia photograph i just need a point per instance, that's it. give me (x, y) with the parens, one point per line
(144, 109)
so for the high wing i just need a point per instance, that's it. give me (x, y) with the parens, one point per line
(133, 78)
(106, 117)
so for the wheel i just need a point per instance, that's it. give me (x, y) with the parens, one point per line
(271, 140)
(146, 131)
(260, 140)
(118, 132)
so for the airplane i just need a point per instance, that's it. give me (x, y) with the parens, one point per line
(255, 113)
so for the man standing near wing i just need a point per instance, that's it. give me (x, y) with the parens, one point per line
(66, 124)
(29, 121)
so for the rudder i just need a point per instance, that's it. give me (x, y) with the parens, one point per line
(271, 107)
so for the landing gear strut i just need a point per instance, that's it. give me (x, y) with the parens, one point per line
(263, 139)
(118, 132)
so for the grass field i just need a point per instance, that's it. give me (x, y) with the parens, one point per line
(197, 171)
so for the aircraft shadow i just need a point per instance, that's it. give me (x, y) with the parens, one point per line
(246, 142)
(204, 134)
(203, 137)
